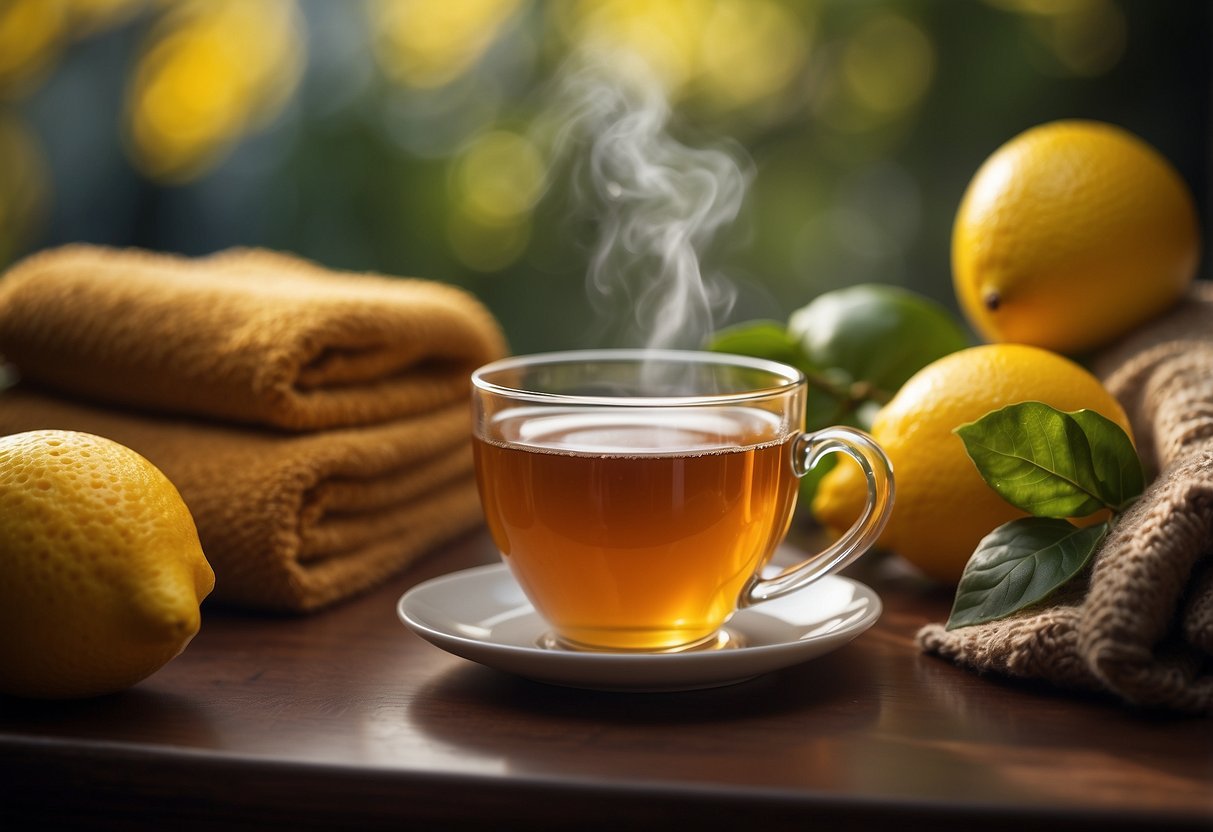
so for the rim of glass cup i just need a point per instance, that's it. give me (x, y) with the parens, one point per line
(793, 377)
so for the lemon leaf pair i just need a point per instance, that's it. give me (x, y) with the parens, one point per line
(1052, 465)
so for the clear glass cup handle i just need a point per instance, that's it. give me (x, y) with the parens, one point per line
(807, 451)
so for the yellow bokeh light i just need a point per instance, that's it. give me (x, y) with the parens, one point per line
(429, 43)
(498, 177)
(182, 112)
(32, 34)
(214, 70)
(888, 64)
(496, 181)
(729, 53)
(487, 247)
(751, 50)
(665, 34)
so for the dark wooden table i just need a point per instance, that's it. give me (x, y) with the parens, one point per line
(347, 720)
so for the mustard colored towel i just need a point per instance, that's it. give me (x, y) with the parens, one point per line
(295, 522)
(245, 335)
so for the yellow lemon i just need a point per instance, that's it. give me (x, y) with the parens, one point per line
(1070, 235)
(943, 506)
(101, 571)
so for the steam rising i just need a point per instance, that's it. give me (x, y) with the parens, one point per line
(658, 204)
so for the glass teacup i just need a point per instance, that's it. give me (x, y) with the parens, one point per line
(637, 495)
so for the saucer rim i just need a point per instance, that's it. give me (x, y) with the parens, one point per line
(778, 654)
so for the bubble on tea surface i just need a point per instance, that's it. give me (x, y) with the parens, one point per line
(645, 432)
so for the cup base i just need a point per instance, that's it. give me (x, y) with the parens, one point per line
(722, 639)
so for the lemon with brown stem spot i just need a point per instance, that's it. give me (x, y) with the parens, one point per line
(101, 569)
(1070, 235)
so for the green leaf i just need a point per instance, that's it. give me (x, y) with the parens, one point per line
(1052, 464)
(1117, 466)
(1019, 564)
(760, 339)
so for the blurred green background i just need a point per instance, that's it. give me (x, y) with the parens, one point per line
(408, 136)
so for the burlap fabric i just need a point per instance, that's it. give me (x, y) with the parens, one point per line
(1140, 626)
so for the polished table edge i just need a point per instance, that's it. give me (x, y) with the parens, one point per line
(103, 784)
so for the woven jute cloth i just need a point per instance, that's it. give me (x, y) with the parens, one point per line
(1139, 626)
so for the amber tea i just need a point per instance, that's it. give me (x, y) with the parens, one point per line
(637, 530)
(637, 495)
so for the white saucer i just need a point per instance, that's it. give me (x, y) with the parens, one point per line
(482, 615)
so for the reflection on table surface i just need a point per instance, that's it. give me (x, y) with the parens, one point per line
(871, 728)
